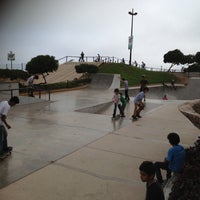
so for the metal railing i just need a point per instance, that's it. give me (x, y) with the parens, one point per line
(23, 91)
(111, 59)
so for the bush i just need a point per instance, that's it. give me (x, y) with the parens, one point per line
(187, 184)
(13, 74)
(86, 68)
(62, 85)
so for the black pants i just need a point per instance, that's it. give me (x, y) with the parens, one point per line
(3, 139)
(159, 166)
(126, 95)
(115, 109)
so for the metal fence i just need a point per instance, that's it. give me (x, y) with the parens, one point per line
(24, 92)
(88, 59)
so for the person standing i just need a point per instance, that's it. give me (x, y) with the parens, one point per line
(30, 82)
(126, 89)
(4, 109)
(143, 83)
(123, 105)
(154, 190)
(116, 100)
(81, 59)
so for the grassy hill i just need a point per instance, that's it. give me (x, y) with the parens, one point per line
(133, 74)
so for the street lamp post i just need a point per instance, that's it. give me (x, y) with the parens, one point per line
(130, 45)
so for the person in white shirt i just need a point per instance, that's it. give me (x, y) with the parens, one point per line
(31, 85)
(4, 109)
(116, 101)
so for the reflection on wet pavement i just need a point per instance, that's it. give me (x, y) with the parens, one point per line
(45, 132)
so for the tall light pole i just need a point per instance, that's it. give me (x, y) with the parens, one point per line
(130, 41)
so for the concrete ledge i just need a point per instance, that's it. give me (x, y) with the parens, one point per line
(191, 110)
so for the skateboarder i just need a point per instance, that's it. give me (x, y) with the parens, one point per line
(116, 102)
(4, 109)
(139, 105)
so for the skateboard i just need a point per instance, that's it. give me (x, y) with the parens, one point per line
(133, 119)
(7, 153)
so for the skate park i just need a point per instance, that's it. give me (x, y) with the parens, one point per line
(69, 148)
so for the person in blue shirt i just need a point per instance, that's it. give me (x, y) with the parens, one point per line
(174, 160)
(139, 105)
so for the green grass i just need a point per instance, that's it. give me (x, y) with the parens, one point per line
(133, 74)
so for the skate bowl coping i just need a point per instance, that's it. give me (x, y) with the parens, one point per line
(105, 81)
(191, 110)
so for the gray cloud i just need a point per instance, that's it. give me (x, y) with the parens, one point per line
(62, 28)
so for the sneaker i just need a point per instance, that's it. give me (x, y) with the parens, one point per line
(139, 116)
(134, 117)
(9, 149)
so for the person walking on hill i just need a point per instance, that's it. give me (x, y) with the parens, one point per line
(81, 59)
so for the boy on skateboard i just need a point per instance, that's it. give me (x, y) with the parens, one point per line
(139, 105)
(116, 102)
(4, 109)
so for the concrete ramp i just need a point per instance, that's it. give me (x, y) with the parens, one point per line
(191, 91)
(65, 72)
(105, 81)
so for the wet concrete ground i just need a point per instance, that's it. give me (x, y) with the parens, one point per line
(45, 132)
(55, 142)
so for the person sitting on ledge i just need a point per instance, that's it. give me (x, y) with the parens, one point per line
(174, 160)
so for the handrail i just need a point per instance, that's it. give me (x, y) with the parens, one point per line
(91, 59)
(25, 89)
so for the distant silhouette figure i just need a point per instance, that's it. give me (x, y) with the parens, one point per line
(81, 59)
(98, 58)
(172, 83)
(143, 65)
(165, 97)
(135, 63)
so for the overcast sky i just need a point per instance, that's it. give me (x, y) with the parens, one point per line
(67, 27)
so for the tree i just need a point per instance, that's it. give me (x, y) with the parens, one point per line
(194, 68)
(175, 57)
(197, 57)
(188, 59)
(42, 64)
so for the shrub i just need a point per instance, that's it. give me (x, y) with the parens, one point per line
(187, 184)
(86, 68)
(13, 74)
